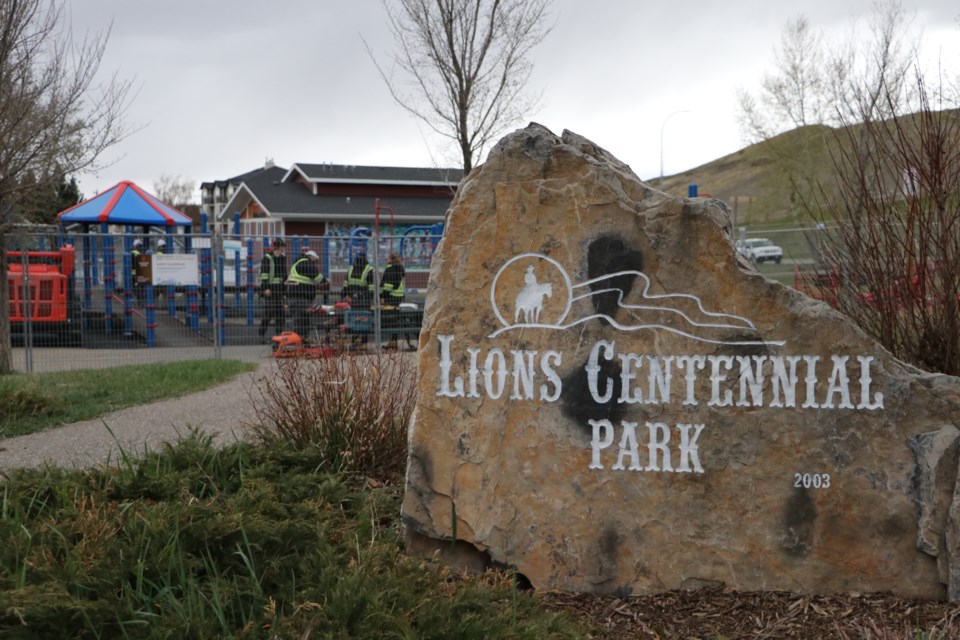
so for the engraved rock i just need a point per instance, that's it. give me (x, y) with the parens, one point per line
(612, 401)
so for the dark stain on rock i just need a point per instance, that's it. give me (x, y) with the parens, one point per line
(577, 489)
(799, 515)
(897, 527)
(747, 350)
(463, 445)
(610, 540)
(624, 591)
(420, 457)
(578, 403)
(549, 244)
(607, 255)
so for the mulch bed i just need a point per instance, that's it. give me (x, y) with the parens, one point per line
(713, 614)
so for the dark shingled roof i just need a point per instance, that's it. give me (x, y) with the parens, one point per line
(341, 173)
(293, 199)
(281, 195)
(276, 172)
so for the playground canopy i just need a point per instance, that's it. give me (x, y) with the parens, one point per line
(125, 203)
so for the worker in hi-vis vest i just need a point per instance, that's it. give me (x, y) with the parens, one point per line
(358, 286)
(135, 252)
(304, 281)
(273, 275)
(391, 285)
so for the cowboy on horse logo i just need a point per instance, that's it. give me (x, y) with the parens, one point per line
(545, 300)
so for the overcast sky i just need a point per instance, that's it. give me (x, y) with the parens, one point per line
(222, 85)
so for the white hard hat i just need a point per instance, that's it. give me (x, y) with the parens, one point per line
(138, 242)
(161, 242)
(310, 253)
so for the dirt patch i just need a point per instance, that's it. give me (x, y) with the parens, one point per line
(716, 613)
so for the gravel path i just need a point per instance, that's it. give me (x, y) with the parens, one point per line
(224, 411)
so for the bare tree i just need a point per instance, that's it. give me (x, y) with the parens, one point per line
(54, 121)
(464, 65)
(795, 95)
(174, 190)
(817, 82)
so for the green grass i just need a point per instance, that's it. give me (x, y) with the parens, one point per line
(265, 539)
(34, 402)
(759, 182)
(242, 542)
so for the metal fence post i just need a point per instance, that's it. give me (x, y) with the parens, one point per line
(221, 328)
(250, 287)
(171, 289)
(88, 258)
(150, 306)
(27, 306)
(108, 280)
(375, 301)
(236, 261)
(128, 283)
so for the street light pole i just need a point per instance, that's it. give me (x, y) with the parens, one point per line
(662, 127)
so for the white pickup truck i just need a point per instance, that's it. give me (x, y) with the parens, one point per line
(759, 250)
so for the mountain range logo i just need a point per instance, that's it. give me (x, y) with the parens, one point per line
(534, 291)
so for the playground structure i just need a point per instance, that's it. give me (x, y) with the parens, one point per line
(195, 292)
(120, 302)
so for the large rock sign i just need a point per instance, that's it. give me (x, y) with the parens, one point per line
(610, 400)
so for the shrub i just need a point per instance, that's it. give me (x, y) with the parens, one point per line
(195, 541)
(354, 409)
(894, 248)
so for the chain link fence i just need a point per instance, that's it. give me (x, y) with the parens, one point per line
(90, 300)
(802, 247)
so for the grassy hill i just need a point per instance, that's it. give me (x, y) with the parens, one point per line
(766, 184)
(757, 182)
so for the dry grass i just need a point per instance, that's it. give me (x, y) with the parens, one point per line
(355, 409)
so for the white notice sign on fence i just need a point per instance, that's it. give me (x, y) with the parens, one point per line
(179, 269)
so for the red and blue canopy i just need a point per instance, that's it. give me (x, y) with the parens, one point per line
(125, 203)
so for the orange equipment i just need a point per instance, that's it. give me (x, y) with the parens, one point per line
(289, 344)
(53, 307)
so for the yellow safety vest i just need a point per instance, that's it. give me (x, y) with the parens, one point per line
(362, 280)
(271, 277)
(391, 290)
(299, 279)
